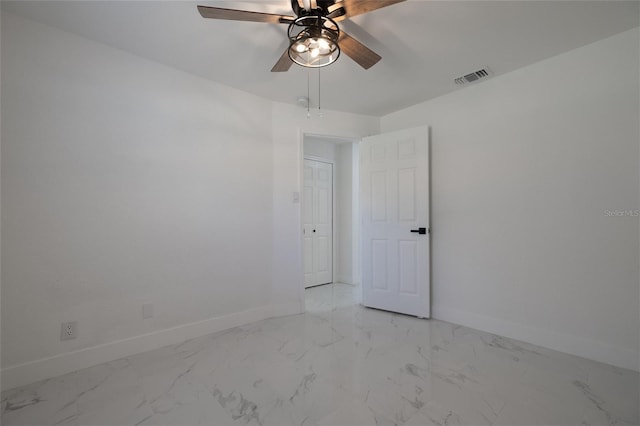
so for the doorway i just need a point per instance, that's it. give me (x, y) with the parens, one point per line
(395, 261)
(329, 200)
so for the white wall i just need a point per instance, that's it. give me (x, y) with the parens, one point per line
(290, 123)
(524, 167)
(124, 182)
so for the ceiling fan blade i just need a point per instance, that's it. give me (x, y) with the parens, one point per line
(351, 8)
(284, 63)
(357, 51)
(243, 15)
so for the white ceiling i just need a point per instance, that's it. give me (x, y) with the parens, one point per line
(424, 44)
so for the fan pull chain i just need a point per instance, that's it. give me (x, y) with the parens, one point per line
(318, 90)
(319, 111)
(308, 93)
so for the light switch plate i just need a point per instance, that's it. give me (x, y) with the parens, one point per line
(147, 310)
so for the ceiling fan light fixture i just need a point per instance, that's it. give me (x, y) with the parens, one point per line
(313, 41)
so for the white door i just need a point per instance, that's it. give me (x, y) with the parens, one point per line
(394, 185)
(318, 223)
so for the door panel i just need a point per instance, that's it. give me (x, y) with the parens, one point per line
(307, 208)
(323, 255)
(394, 176)
(379, 267)
(407, 195)
(408, 257)
(324, 213)
(307, 220)
(318, 222)
(378, 196)
(308, 254)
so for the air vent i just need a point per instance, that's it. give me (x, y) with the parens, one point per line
(474, 76)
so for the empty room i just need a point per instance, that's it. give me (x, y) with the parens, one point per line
(320, 212)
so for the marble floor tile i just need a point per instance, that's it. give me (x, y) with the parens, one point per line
(52, 401)
(337, 364)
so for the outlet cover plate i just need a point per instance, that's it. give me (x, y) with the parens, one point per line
(69, 330)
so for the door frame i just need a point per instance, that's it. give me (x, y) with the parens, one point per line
(355, 203)
(333, 210)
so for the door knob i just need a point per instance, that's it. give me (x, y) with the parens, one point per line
(420, 231)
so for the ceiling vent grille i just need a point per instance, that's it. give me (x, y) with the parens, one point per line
(474, 76)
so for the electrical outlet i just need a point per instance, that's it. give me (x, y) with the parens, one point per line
(69, 330)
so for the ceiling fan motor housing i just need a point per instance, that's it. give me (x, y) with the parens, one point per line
(313, 41)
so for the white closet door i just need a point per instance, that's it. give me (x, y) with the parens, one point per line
(318, 223)
(394, 182)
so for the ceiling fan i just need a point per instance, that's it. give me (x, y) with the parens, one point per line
(315, 39)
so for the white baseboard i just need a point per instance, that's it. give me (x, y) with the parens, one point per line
(574, 345)
(344, 279)
(33, 371)
(285, 309)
